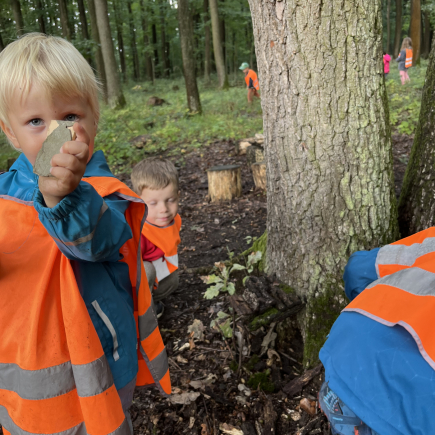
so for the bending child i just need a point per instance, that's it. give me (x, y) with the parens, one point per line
(156, 182)
(69, 282)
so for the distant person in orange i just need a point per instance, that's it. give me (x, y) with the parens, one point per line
(251, 80)
(405, 60)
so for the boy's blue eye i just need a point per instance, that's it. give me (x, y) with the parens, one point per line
(36, 122)
(71, 117)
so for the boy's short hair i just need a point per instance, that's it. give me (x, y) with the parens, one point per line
(154, 174)
(49, 61)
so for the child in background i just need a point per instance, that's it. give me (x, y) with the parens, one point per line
(156, 182)
(68, 258)
(405, 60)
(387, 59)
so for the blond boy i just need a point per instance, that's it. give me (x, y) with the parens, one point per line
(156, 182)
(68, 343)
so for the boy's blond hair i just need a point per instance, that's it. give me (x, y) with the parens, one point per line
(154, 174)
(47, 61)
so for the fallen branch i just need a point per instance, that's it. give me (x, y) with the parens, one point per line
(297, 384)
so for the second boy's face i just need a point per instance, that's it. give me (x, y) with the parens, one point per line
(162, 205)
(30, 117)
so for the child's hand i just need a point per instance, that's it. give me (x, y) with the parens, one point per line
(68, 168)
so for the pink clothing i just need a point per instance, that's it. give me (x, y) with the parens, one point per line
(387, 59)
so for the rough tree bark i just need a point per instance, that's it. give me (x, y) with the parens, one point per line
(41, 12)
(398, 30)
(146, 43)
(415, 32)
(207, 44)
(114, 93)
(188, 55)
(327, 147)
(136, 68)
(417, 201)
(18, 16)
(217, 45)
(425, 49)
(66, 31)
(97, 48)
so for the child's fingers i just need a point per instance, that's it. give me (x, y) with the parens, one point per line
(75, 148)
(67, 161)
(82, 136)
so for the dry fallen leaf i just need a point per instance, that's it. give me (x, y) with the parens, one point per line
(181, 360)
(197, 327)
(308, 406)
(184, 398)
(231, 430)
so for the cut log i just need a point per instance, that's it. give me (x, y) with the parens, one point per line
(242, 147)
(254, 154)
(224, 183)
(259, 174)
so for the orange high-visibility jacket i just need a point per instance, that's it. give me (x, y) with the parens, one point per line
(404, 293)
(408, 61)
(252, 75)
(57, 376)
(167, 239)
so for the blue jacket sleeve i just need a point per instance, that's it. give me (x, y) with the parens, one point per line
(86, 226)
(402, 56)
(360, 272)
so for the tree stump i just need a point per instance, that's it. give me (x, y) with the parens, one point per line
(224, 182)
(259, 173)
(254, 154)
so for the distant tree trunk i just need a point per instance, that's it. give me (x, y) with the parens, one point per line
(114, 93)
(97, 51)
(415, 31)
(188, 54)
(398, 31)
(121, 50)
(165, 60)
(133, 42)
(325, 199)
(146, 43)
(156, 51)
(217, 45)
(207, 44)
(2, 45)
(18, 16)
(388, 26)
(83, 20)
(40, 10)
(425, 50)
(66, 31)
(417, 201)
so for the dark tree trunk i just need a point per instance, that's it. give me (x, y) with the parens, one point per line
(425, 50)
(388, 26)
(2, 45)
(207, 44)
(165, 60)
(41, 12)
(417, 201)
(415, 31)
(188, 54)
(97, 51)
(217, 45)
(18, 16)
(330, 188)
(156, 51)
(66, 31)
(146, 43)
(121, 50)
(222, 30)
(114, 93)
(398, 31)
(136, 67)
(83, 20)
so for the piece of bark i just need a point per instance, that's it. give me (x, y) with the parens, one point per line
(242, 147)
(297, 384)
(224, 183)
(58, 133)
(240, 305)
(259, 174)
(254, 154)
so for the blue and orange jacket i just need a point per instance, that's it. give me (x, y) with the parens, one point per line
(72, 284)
(380, 354)
(251, 80)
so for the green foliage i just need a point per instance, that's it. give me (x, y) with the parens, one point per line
(223, 323)
(6, 152)
(264, 319)
(405, 101)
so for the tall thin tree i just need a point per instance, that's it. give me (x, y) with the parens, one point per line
(136, 68)
(165, 58)
(114, 92)
(119, 33)
(217, 45)
(18, 16)
(398, 31)
(83, 19)
(66, 31)
(388, 26)
(415, 31)
(207, 42)
(188, 54)
(326, 198)
(41, 15)
(146, 43)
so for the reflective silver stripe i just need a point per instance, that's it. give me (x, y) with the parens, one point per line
(110, 327)
(162, 270)
(7, 422)
(414, 280)
(156, 371)
(20, 201)
(90, 236)
(160, 365)
(147, 323)
(173, 259)
(37, 384)
(124, 429)
(404, 255)
(92, 378)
